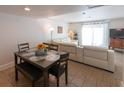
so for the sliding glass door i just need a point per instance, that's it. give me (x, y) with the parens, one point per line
(95, 34)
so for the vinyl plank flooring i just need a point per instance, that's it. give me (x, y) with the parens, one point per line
(79, 75)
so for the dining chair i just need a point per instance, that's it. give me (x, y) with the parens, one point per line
(48, 45)
(53, 47)
(22, 47)
(30, 71)
(61, 67)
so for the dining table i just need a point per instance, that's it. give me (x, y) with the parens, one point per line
(43, 62)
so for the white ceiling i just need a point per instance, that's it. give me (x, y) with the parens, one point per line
(40, 11)
(66, 13)
(100, 13)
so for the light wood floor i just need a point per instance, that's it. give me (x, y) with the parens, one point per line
(80, 75)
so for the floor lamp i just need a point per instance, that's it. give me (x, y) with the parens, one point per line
(51, 34)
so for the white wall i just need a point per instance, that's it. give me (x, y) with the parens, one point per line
(117, 23)
(14, 30)
(17, 29)
(46, 26)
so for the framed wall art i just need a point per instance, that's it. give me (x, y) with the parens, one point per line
(60, 30)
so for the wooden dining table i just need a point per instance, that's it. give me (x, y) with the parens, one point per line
(42, 62)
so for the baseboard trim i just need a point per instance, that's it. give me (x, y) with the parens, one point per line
(6, 66)
(122, 83)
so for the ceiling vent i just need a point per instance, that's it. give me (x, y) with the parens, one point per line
(94, 6)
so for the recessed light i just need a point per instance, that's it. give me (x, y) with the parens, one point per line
(27, 9)
(84, 13)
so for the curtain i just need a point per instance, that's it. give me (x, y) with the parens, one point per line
(95, 34)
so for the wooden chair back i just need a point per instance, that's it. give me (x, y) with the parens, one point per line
(53, 47)
(63, 61)
(23, 47)
(47, 45)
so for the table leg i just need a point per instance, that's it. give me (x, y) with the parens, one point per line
(16, 72)
(46, 78)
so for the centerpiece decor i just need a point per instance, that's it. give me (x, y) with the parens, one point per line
(41, 50)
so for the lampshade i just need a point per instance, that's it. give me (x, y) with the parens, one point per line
(51, 29)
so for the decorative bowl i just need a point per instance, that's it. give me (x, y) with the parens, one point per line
(41, 52)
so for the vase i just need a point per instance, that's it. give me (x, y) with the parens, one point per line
(41, 52)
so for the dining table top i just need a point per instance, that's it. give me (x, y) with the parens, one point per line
(40, 61)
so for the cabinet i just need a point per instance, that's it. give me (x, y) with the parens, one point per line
(116, 43)
(123, 43)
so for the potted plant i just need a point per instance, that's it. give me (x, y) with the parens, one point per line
(41, 50)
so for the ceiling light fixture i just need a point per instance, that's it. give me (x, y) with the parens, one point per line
(84, 13)
(27, 9)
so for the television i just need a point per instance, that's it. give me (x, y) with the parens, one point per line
(117, 33)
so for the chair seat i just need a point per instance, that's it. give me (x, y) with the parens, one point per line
(54, 70)
(29, 70)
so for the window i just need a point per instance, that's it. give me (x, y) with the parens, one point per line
(95, 34)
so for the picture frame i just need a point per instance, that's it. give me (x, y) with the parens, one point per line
(60, 30)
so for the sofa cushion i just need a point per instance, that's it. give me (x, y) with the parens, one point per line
(96, 52)
(95, 48)
(96, 62)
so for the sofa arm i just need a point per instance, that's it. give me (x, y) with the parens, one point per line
(111, 60)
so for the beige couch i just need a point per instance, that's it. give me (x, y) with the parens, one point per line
(95, 56)
(99, 57)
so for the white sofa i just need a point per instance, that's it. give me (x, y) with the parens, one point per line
(99, 57)
(95, 56)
